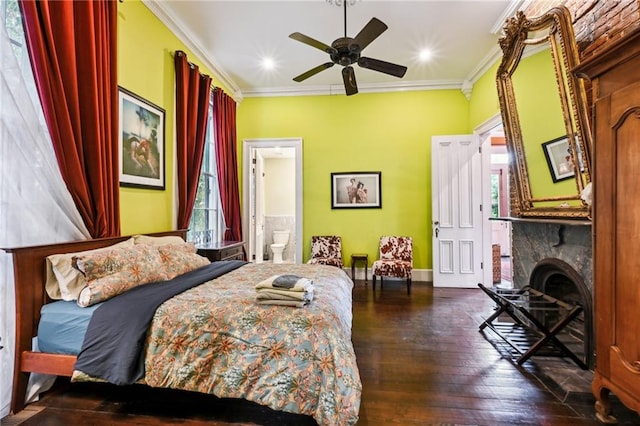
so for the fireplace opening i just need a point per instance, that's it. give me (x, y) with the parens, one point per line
(560, 280)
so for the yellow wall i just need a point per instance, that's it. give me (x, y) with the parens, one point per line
(280, 188)
(388, 132)
(484, 102)
(146, 67)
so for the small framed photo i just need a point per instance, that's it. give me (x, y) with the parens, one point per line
(356, 190)
(141, 142)
(559, 159)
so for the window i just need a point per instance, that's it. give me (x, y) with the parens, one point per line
(13, 24)
(495, 194)
(207, 220)
(10, 11)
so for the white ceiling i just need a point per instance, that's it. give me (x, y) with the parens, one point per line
(232, 37)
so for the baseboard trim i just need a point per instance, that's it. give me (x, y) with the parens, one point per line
(417, 275)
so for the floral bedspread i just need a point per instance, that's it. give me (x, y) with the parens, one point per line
(216, 339)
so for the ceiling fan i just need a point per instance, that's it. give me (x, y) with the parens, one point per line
(346, 51)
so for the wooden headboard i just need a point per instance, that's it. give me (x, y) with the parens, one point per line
(29, 269)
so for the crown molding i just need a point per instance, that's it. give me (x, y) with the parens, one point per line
(495, 53)
(338, 89)
(487, 62)
(509, 11)
(183, 34)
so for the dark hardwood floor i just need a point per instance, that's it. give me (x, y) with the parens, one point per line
(422, 361)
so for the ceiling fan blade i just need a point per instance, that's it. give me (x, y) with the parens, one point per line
(349, 78)
(312, 42)
(382, 66)
(370, 32)
(313, 71)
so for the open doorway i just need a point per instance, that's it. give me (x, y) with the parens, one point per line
(495, 195)
(272, 198)
(500, 229)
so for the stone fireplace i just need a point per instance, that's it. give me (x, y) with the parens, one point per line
(555, 257)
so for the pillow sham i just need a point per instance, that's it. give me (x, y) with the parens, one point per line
(181, 258)
(158, 241)
(63, 280)
(113, 272)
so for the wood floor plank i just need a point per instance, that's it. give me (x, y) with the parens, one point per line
(422, 361)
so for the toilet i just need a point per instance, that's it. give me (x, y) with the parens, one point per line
(280, 240)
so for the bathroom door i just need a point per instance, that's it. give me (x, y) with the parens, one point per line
(259, 206)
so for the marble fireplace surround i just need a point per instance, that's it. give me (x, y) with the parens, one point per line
(536, 239)
(545, 246)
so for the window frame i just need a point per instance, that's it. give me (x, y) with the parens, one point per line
(208, 202)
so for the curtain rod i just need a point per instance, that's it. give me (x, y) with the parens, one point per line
(191, 64)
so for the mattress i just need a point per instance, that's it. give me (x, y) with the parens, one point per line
(62, 327)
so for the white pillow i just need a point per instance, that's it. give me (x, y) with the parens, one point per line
(158, 241)
(63, 280)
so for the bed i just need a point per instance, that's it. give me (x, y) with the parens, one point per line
(298, 360)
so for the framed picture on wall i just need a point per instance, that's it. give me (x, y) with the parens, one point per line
(141, 142)
(356, 190)
(558, 157)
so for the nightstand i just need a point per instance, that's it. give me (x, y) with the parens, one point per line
(223, 250)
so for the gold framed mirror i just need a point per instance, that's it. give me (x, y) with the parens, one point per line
(544, 113)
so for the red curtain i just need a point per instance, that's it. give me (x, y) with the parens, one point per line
(192, 106)
(224, 118)
(72, 47)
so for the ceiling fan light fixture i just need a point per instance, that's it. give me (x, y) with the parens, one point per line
(346, 51)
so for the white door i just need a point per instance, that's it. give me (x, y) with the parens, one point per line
(259, 206)
(250, 206)
(457, 211)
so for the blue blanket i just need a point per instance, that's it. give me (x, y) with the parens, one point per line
(114, 343)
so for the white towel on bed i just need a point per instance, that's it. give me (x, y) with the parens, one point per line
(274, 294)
(286, 282)
(293, 303)
(285, 290)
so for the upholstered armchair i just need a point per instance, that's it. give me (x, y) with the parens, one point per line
(395, 260)
(326, 250)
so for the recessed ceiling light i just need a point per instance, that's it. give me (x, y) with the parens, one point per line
(268, 63)
(425, 55)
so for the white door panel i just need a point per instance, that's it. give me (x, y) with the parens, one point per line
(457, 215)
(259, 208)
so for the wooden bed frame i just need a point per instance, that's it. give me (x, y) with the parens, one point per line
(29, 268)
